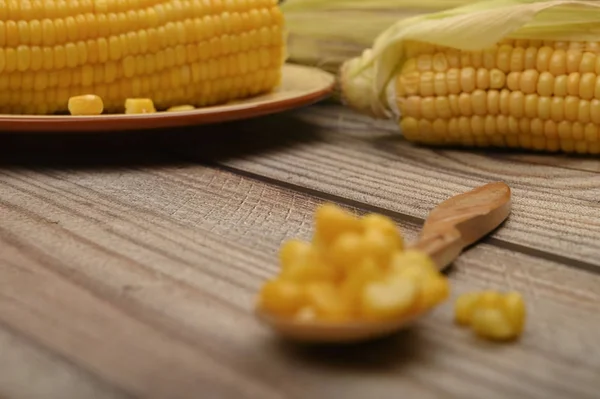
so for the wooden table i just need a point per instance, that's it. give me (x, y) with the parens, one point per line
(129, 263)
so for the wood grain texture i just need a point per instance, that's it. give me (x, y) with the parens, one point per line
(29, 372)
(333, 151)
(100, 333)
(142, 273)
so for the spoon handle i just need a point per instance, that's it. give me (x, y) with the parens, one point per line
(462, 220)
(443, 249)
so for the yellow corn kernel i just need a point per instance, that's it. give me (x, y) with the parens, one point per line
(416, 266)
(139, 106)
(327, 302)
(464, 307)
(304, 271)
(88, 104)
(357, 278)
(489, 299)
(180, 108)
(514, 307)
(347, 250)
(385, 225)
(413, 259)
(388, 300)
(491, 314)
(378, 245)
(433, 291)
(293, 251)
(414, 273)
(332, 220)
(282, 297)
(492, 323)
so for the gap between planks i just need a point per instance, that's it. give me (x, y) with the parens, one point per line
(498, 242)
(329, 149)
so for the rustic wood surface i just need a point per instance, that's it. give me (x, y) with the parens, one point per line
(129, 263)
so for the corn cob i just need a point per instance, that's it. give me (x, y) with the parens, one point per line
(524, 92)
(197, 52)
(533, 95)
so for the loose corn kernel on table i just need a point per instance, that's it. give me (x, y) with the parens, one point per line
(129, 263)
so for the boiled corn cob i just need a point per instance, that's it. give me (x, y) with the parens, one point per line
(518, 92)
(198, 52)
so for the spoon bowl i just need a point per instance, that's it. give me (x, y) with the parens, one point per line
(450, 227)
(334, 332)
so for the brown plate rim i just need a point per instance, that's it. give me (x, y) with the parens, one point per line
(198, 117)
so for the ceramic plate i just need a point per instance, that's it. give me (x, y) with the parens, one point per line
(300, 86)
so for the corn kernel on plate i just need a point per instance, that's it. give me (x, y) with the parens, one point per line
(300, 86)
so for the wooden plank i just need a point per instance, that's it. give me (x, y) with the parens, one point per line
(177, 252)
(573, 162)
(40, 300)
(336, 152)
(29, 372)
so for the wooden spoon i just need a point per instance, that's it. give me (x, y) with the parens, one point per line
(449, 228)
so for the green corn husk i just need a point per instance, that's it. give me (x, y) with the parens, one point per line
(326, 33)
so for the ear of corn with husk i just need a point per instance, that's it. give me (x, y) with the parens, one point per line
(505, 73)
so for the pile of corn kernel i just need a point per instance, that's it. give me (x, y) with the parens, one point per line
(491, 314)
(357, 269)
(91, 104)
(354, 269)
